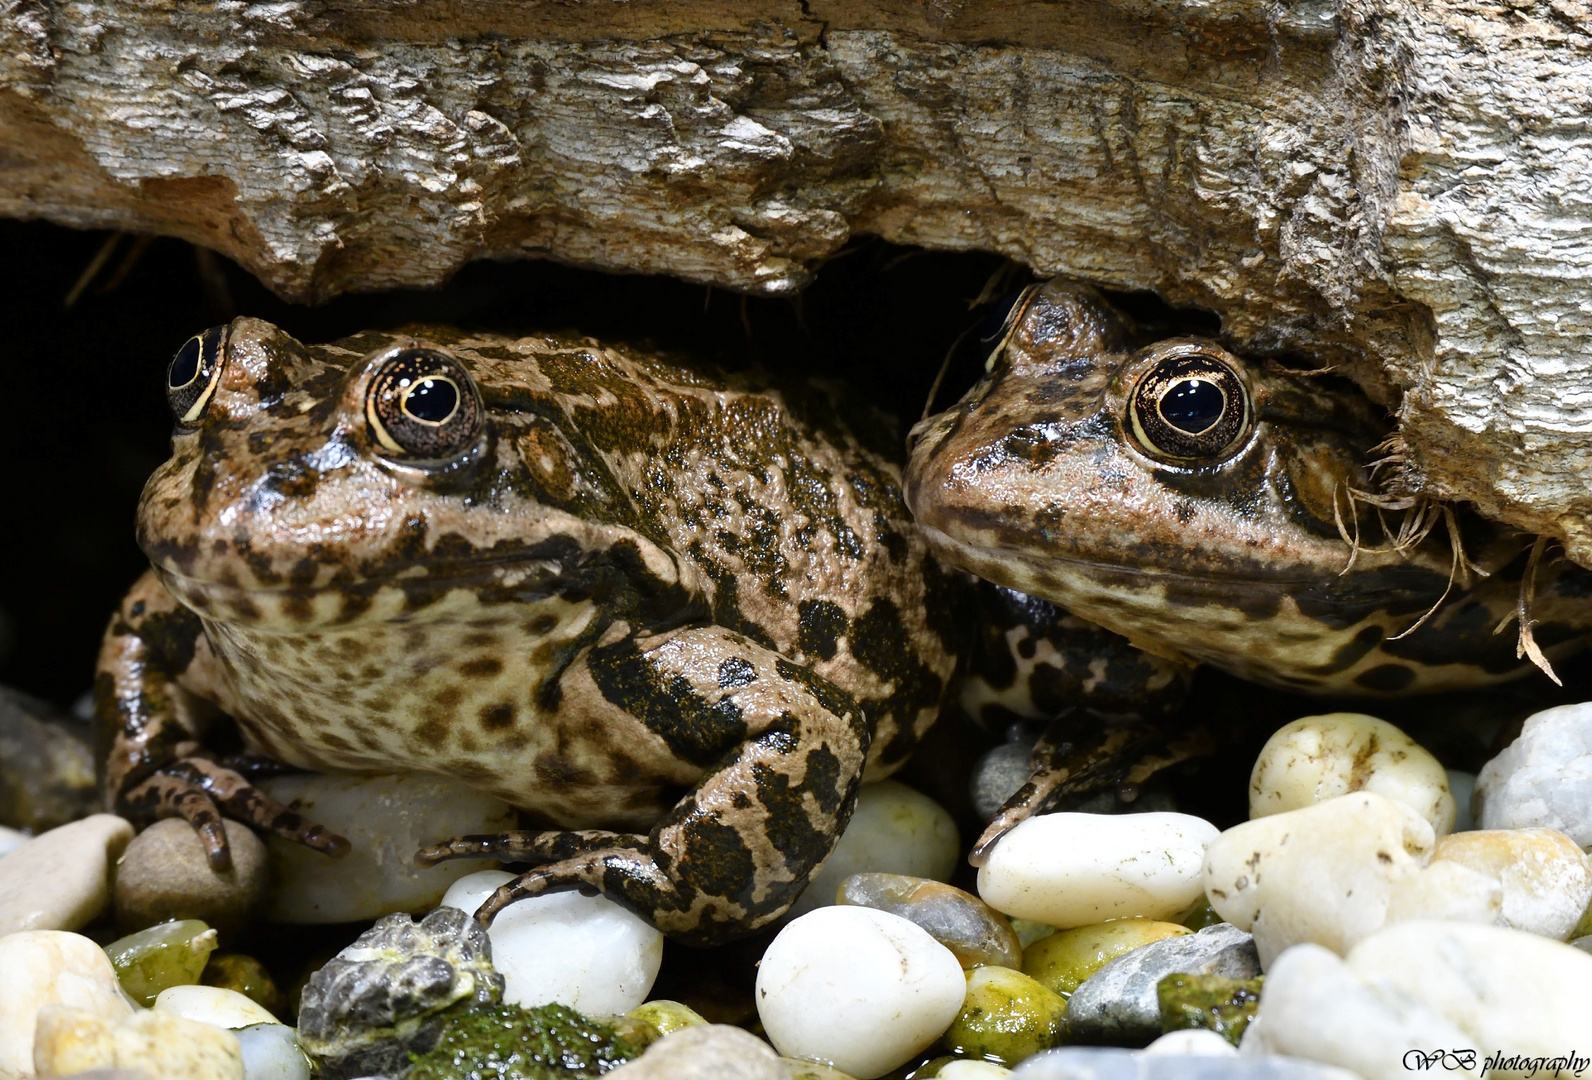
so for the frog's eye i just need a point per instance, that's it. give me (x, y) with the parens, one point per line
(1192, 408)
(423, 405)
(192, 376)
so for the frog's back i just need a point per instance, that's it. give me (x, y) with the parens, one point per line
(789, 517)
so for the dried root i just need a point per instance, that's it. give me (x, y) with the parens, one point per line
(1526, 646)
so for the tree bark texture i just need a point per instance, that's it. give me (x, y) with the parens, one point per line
(1396, 187)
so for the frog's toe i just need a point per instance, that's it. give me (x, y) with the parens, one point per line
(201, 792)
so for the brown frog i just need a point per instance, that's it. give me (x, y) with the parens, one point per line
(1218, 510)
(675, 616)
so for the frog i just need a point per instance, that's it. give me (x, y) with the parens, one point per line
(1231, 511)
(675, 616)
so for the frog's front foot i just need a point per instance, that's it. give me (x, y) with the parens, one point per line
(203, 793)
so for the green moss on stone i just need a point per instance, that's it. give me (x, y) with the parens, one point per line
(507, 1042)
(1208, 1001)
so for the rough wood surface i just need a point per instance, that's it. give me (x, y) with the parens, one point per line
(1397, 187)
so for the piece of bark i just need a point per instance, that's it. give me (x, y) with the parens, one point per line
(1397, 189)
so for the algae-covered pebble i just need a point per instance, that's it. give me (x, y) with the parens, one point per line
(1223, 1005)
(1066, 958)
(1199, 916)
(1006, 1017)
(246, 975)
(163, 956)
(507, 1042)
(667, 1016)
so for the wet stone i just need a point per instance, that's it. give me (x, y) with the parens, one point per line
(247, 976)
(380, 998)
(708, 1052)
(1225, 1006)
(1006, 1017)
(975, 932)
(159, 957)
(1065, 959)
(46, 765)
(164, 874)
(61, 880)
(1112, 1063)
(1118, 1003)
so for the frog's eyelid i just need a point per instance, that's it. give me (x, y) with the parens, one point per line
(1009, 326)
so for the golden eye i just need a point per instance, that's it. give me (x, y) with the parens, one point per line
(193, 373)
(422, 404)
(1192, 408)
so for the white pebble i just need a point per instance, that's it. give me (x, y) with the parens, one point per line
(157, 1044)
(1508, 990)
(1323, 874)
(61, 879)
(213, 1005)
(386, 820)
(1544, 878)
(1314, 1007)
(859, 989)
(895, 830)
(1322, 757)
(1448, 891)
(1543, 778)
(11, 839)
(1201, 1042)
(1075, 869)
(586, 952)
(271, 1052)
(50, 967)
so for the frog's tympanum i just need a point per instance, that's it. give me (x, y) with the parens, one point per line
(1204, 506)
(616, 591)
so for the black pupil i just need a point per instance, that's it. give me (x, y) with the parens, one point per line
(185, 365)
(432, 401)
(1192, 405)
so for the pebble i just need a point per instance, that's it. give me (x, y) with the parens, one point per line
(711, 1052)
(61, 879)
(1545, 880)
(1315, 1007)
(975, 932)
(272, 1052)
(246, 975)
(11, 839)
(811, 1070)
(858, 989)
(171, 954)
(74, 1040)
(895, 830)
(1211, 1002)
(667, 1016)
(586, 952)
(164, 874)
(998, 774)
(50, 967)
(386, 820)
(1111, 1063)
(971, 1070)
(214, 1006)
(370, 1005)
(1006, 1017)
(1119, 1003)
(1508, 990)
(46, 765)
(1325, 873)
(1192, 1041)
(1322, 757)
(1544, 778)
(1066, 958)
(1449, 891)
(1462, 785)
(1074, 869)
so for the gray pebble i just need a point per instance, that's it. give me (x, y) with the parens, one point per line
(46, 766)
(1110, 1063)
(1542, 779)
(378, 1000)
(164, 875)
(710, 1052)
(998, 775)
(1118, 1004)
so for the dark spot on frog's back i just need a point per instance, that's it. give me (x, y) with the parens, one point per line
(481, 668)
(736, 672)
(694, 730)
(820, 626)
(1388, 678)
(720, 862)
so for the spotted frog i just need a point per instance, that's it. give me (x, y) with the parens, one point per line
(675, 617)
(1219, 510)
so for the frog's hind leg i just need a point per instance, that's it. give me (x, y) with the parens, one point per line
(783, 753)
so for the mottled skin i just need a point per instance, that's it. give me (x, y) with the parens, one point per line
(634, 596)
(1038, 480)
